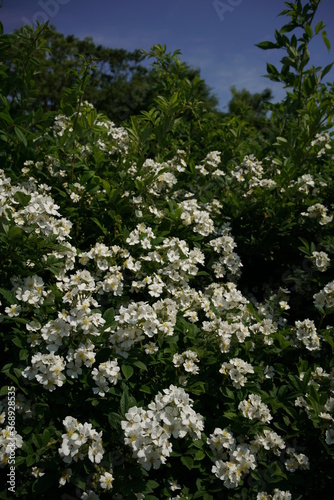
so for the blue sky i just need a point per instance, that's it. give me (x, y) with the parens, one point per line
(217, 36)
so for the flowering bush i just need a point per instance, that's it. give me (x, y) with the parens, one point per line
(146, 360)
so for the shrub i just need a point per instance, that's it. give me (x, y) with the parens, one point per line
(141, 358)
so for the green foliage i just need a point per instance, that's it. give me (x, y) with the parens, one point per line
(166, 285)
(252, 107)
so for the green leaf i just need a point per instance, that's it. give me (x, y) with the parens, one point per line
(198, 388)
(199, 455)
(20, 135)
(78, 481)
(140, 365)
(274, 474)
(104, 354)
(152, 484)
(4, 390)
(86, 176)
(6, 117)
(24, 354)
(281, 139)
(8, 296)
(18, 342)
(326, 70)
(230, 415)
(46, 437)
(325, 39)
(266, 45)
(109, 315)
(98, 223)
(30, 460)
(146, 389)
(308, 30)
(105, 185)
(114, 420)
(126, 402)
(22, 198)
(127, 371)
(27, 430)
(319, 27)
(11, 377)
(37, 441)
(14, 233)
(273, 72)
(188, 462)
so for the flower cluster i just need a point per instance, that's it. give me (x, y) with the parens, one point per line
(277, 495)
(9, 441)
(324, 300)
(209, 165)
(320, 260)
(266, 327)
(322, 140)
(30, 290)
(319, 213)
(141, 235)
(161, 176)
(187, 360)
(148, 432)
(296, 461)
(326, 411)
(269, 440)
(250, 172)
(232, 461)
(106, 373)
(84, 354)
(30, 207)
(306, 334)
(79, 440)
(229, 261)
(304, 183)
(253, 408)
(236, 369)
(193, 214)
(135, 322)
(47, 369)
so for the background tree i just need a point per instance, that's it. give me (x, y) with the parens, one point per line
(118, 82)
(251, 107)
(121, 83)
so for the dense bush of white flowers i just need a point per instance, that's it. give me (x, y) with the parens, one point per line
(136, 315)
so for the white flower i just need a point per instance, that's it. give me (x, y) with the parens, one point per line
(65, 477)
(37, 472)
(173, 485)
(13, 310)
(320, 260)
(151, 348)
(106, 480)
